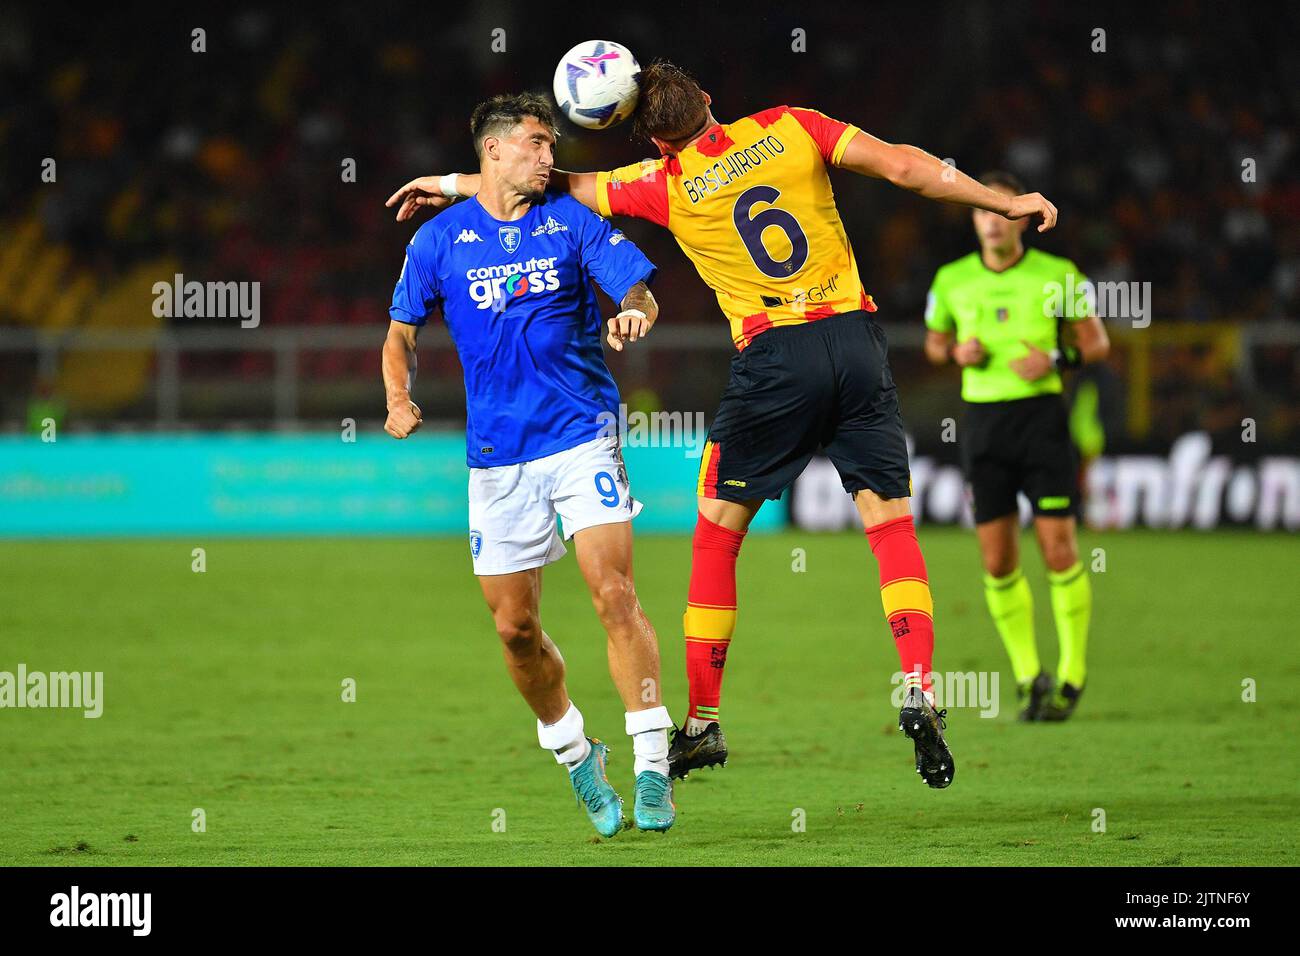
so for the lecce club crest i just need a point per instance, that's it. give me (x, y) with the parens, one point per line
(509, 236)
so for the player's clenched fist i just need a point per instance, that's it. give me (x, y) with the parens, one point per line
(628, 326)
(404, 418)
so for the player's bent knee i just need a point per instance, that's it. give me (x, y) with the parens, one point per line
(1060, 555)
(1000, 561)
(732, 515)
(875, 510)
(1000, 566)
(520, 633)
(614, 598)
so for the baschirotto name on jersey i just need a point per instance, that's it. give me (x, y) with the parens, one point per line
(731, 167)
(499, 284)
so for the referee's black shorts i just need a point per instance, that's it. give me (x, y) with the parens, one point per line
(1022, 445)
(796, 388)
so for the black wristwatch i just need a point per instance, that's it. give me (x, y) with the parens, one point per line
(1067, 356)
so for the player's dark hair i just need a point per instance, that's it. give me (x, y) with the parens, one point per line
(499, 115)
(1002, 178)
(671, 104)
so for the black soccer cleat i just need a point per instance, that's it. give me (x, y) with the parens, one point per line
(925, 726)
(708, 748)
(1034, 695)
(1062, 704)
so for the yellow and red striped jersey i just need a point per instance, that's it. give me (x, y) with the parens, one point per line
(751, 205)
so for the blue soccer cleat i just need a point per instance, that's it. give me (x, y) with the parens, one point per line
(603, 805)
(654, 801)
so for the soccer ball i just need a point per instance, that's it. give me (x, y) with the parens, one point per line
(596, 84)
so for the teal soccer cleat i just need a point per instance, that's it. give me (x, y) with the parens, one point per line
(654, 801)
(603, 805)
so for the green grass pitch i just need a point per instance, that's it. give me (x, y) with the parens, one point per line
(222, 691)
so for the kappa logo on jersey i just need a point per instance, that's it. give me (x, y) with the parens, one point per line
(500, 284)
(616, 238)
(549, 228)
(468, 235)
(509, 236)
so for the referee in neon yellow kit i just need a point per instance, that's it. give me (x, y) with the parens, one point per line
(1001, 315)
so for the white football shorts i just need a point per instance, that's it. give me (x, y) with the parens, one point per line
(513, 508)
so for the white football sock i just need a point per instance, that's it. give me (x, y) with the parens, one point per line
(649, 732)
(565, 738)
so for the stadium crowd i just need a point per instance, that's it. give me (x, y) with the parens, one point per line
(230, 163)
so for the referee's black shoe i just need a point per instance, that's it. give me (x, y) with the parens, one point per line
(1062, 704)
(1034, 696)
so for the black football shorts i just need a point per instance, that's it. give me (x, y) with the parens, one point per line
(1022, 445)
(797, 388)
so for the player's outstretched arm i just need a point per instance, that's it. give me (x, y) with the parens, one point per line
(398, 365)
(638, 315)
(431, 192)
(916, 170)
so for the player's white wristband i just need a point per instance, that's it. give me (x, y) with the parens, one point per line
(633, 312)
(447, 185)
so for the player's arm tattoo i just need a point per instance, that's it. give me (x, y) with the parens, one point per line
(640, 297)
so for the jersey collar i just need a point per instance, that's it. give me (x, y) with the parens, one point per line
(1024, 251)
(713, 141)
(506, 222)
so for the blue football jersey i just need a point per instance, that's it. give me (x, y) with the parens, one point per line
(520, 305)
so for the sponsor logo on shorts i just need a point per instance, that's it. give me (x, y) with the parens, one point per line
(475, 543)
(1054, 503)
(735, 484)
